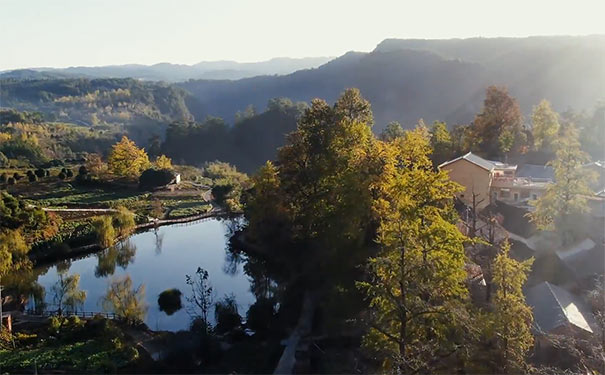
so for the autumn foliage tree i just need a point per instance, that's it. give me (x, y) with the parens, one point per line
(321, 185)
(127, 160)
(511, 318)
(499, 126)
(416, 283)
(441, 143)
(567, 198)
(545, 126)
(163, 162)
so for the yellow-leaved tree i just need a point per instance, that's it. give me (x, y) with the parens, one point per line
(127, 160)
(512, 318)
(163, 162)
(415, 284)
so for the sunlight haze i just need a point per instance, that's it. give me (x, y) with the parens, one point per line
(66, 33)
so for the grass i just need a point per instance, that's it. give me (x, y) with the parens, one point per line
(89, 356)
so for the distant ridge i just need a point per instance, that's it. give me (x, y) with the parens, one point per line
(174, 72)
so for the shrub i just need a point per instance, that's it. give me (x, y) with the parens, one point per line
(11, 181)
(82, 170)
(62, 176)
(40, 172)
(3, 178)
(69, 173)
(152, 178)
(17, 176)
(32, 177)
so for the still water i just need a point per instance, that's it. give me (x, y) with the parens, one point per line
(160, 260)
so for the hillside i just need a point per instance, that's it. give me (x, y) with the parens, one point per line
(433, 79)
(144, 108)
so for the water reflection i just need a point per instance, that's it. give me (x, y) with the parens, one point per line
(159, 260)
(121, 255)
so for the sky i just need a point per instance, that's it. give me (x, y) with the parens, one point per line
(62, 33)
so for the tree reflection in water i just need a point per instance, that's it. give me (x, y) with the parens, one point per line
(23, 286)
(121, 255)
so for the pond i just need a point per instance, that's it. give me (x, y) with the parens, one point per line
(160, 260)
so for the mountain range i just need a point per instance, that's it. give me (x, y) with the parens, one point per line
(404, 79)
(174, 72)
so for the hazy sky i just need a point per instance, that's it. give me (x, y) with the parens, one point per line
(62, 33)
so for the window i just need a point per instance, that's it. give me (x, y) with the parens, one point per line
(516, 195)
(534, 196)
(504, 193)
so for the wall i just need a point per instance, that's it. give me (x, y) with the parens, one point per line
(474, 178)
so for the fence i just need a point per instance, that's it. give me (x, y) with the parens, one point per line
(80, 314)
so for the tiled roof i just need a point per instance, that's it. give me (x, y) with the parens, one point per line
(475, 159)
(536, 171)
(554, 307)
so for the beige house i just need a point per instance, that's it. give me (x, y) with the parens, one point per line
(491, 180)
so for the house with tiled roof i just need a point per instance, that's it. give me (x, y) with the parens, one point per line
(490, 180)
(559, 312)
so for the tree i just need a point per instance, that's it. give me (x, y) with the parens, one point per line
(94, 165)
(202, 297)
(127, 160)
(545, 126)
(392, 131)
(163, 162)
(125, 301)
(512, 318)
(499, 121)
(441, 143)
(67, 292)
(155, 145)
(323, 178)
(565, 199)
(13, 256)
(416, 283)
(592, 133)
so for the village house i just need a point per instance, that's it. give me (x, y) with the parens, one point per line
(557, 311)
(489, 180)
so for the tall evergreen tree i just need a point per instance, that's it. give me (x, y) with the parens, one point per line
(566, 198)
(545, 126)
(441, 143)
(416, 283)
(512, 318)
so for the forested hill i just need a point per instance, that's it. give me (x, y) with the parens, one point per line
(433, 79)
(143, 107)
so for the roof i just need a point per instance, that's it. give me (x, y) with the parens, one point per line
(588, 263)
(475, 159)
(596, 163)
(536, 171)
(554, 307)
